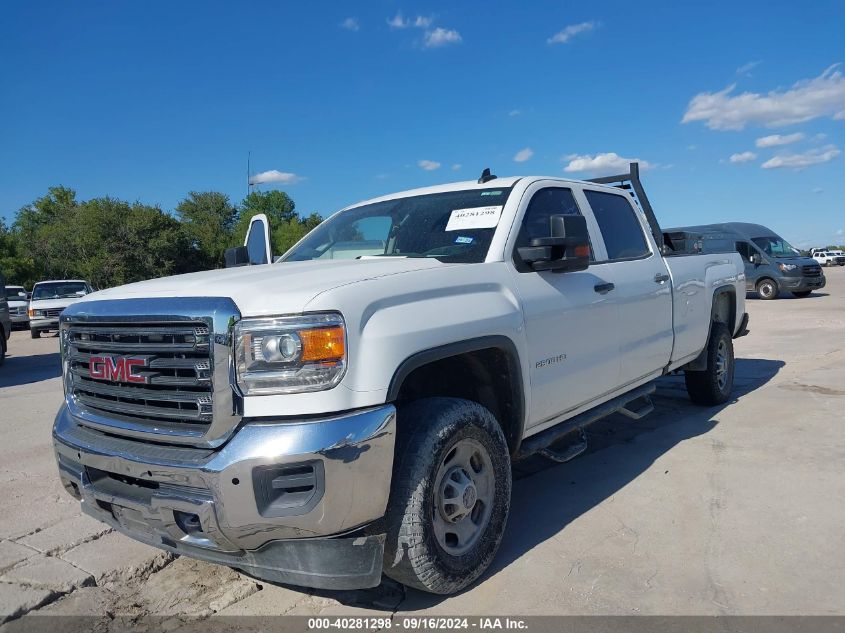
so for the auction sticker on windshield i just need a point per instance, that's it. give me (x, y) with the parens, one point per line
(475, 218)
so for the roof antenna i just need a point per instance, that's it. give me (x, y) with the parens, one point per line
(486, 176)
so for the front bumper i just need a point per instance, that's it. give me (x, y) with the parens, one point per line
(225, 505)
(44, 323)
(803, 283)
(17, 319)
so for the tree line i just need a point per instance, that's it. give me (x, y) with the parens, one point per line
(110, 242)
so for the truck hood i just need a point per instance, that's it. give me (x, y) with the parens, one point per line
(43, 304)
(18, 303)
(282, 288)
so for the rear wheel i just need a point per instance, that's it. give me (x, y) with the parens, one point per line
(450, 495)
(34, 333)
(802, 293)
(767, 289)
(714, 384)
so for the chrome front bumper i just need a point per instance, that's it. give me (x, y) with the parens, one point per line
(220, 505)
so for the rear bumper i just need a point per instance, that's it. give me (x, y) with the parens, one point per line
(234, 506)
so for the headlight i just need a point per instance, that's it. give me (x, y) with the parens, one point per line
(292, 354)
(35, 313)
(787, 267)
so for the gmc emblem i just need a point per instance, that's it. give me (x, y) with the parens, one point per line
(116, 369)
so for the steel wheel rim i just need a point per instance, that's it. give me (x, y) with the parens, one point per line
(463, 496)
(766, 289)
(722, 365)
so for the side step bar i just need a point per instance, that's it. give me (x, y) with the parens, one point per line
(540, 442)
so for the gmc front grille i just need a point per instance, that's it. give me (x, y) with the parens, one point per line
(171, 386)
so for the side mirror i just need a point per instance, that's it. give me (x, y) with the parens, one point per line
(756, 259)
(236, 256)
(567, 248)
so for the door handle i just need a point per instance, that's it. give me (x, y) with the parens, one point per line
(659, 278)
(603, 288)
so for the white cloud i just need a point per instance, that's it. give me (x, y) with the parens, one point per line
(692, 148)
(817, 190)
(606, 162)
(275, 175)
(746, 69)
(806, 100)
(841, 232)
(441, 37)
(456, 167)
(423, 22)
(515, 112)
(351, 24)
(563, 36)
(779, 139)
(428, 165)
(743, 157)
(398, 21)
(523, 155)
(805, 159)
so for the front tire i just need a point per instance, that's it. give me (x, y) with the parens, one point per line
(767, 289)
(714, 385)
(35, 333)
(450, 495)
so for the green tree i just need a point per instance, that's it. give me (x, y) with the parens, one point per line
(208, 218)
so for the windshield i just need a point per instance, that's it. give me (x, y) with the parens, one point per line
(58, 290)
(456, 226)
(15, 293)
(776, 246)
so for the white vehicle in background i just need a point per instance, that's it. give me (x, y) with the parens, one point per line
(49, 300)
(18, 301)
(829, 258)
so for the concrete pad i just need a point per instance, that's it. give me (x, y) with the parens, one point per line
(49, 572)
(15, 600)
(116, 556)
(11, 554)
(66, 534)
(271, 600)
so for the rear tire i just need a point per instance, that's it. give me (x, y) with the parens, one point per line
(714, 385)
(35, 333)
(802, 293)
(767, 289)
(450, 495)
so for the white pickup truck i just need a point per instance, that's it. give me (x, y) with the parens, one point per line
(353, 408)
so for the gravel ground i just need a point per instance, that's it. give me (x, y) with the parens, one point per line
(690, 511)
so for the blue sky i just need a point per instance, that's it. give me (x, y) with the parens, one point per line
(149, 100)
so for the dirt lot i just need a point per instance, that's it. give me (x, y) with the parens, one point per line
(731, 510)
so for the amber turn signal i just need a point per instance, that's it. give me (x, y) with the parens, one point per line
(320, 344)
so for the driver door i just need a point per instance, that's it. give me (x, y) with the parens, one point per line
(571, 319)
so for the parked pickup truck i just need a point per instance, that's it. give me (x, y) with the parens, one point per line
(354, 407)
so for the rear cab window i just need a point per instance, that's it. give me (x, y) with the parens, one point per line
(619, 225)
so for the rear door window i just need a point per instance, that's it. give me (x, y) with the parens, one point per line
(620, 227)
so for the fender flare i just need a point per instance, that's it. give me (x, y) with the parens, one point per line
(434, 354)
(700, 362)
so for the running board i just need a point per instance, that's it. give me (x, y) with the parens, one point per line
(620, 404)
(571, 452)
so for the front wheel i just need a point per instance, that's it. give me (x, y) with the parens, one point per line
(767, 289)
(35, 333)
(802, 293)
(450, 495)
(714, 384)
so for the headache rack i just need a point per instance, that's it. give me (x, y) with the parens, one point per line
(631, 182)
